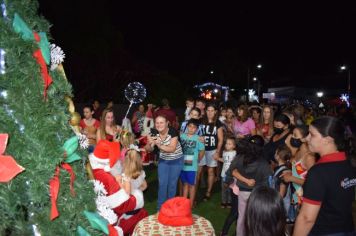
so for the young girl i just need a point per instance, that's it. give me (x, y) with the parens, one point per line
(89, 126)
(283, 156)
(228, 156)
(133, 176)
(126, 139)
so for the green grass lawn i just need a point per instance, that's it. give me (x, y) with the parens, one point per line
(210, 210)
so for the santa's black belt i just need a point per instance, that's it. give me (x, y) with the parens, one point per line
(132, 212)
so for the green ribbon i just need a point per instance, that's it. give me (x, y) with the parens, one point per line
(97, 222)
(82, 232)
(45, 47)
(70, 146)
(21, 28)
(26, 33)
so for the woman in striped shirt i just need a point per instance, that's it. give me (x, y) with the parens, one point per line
(164, 139)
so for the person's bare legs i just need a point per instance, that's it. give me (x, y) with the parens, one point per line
(185, 190)
(191, 195)
(180, 187)
(199, 174)
(211, 180)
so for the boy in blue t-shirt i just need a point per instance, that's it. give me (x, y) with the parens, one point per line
(193, 151)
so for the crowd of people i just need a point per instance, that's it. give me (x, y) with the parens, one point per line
(281, 169)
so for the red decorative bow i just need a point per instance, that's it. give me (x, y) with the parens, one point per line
(54, 185)
(8, 166)
(44, 72)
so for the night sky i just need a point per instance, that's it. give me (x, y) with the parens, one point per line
(107, 42)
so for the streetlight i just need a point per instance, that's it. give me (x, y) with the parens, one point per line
(254, 79)
(343, 68)
(211, 72)
(319, 94)
(259, 66)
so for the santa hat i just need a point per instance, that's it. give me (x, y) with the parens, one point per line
(105, 155)
(176, 212)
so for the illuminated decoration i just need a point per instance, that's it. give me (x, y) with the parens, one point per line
(212, 91)
(3, 94)
(345, 98)
(2, 61)
(252, 95)
(3, 10)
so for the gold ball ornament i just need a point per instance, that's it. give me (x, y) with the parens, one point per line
(60, 69)
(71, 107)
(75, 119)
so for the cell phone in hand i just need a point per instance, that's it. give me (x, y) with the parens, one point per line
(153, 132)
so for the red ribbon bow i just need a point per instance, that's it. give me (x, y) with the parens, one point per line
(8, 166)
(54, 187)
(44, 72)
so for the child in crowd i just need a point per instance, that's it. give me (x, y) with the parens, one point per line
(228, 156)
(189, 104)
(282, 156)
(222, 116)
(133, 176)
(194, 114)
(89, 126)
(193, 151)
(126, 139)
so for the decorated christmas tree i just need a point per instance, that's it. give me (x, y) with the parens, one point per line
(44, 187)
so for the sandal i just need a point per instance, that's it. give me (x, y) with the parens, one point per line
(223, 205)
(207, 196)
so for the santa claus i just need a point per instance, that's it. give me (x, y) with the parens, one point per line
(128, 207)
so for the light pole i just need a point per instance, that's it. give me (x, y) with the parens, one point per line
(255, 79)
(343, 68)
(258, 67)
(320, 94)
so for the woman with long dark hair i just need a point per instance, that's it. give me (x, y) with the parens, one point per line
(214, 137)
(302, 160)
(329, 189)
(281, 131)
(265, 213)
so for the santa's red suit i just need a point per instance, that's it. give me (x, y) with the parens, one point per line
(129, 208)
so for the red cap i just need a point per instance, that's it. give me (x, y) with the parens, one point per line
(176, 212)
(108, 150)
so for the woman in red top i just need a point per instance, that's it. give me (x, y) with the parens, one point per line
(265, 126)
(108, 129)
(89, 125)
